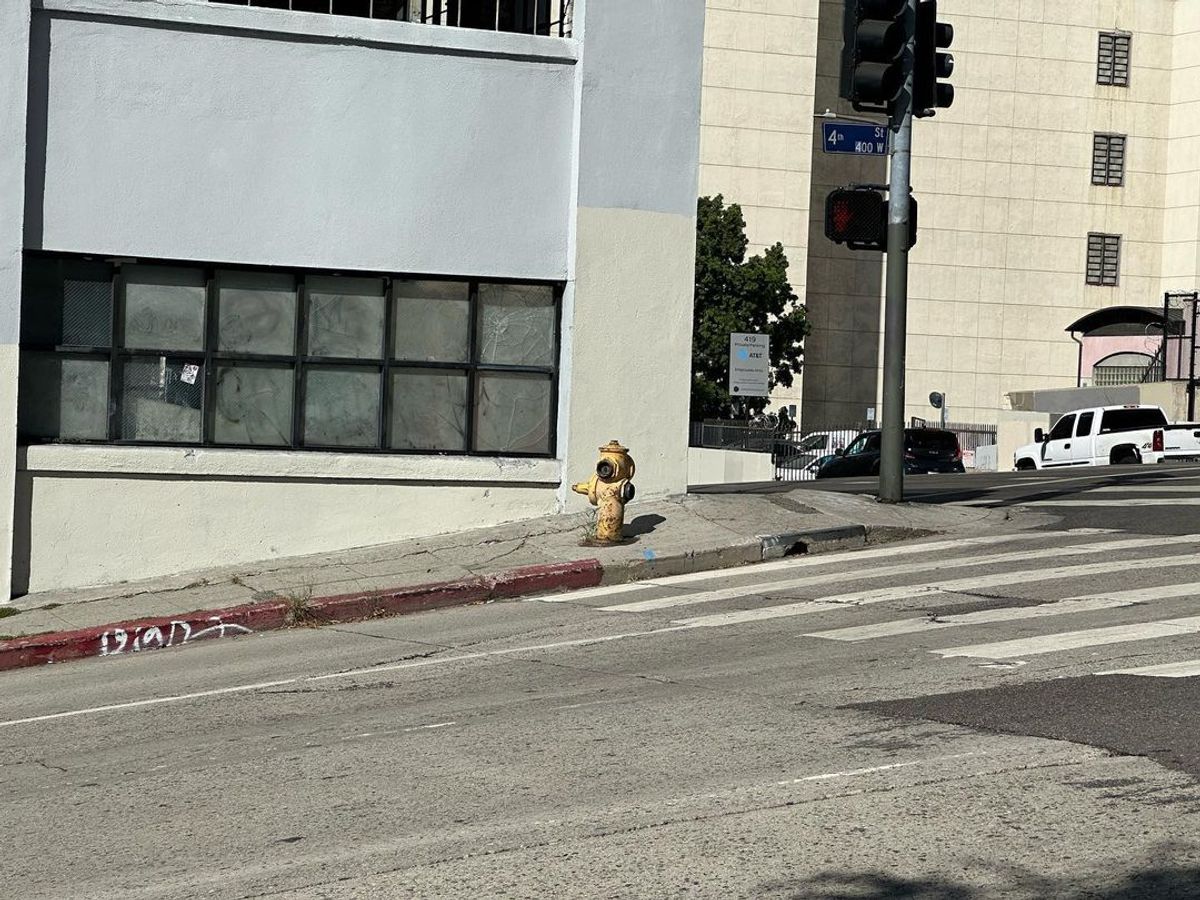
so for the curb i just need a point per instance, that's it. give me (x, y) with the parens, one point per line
(133, 636)
(136, 635)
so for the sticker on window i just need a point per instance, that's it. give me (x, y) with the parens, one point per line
(190, 373)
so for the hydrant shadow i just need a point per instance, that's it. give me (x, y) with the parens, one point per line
(643, 525)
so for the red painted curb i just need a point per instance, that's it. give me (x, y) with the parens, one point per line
(136, 635)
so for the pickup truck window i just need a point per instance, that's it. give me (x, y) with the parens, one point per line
(1115, 420)
(1062, 428)
(1085, 424)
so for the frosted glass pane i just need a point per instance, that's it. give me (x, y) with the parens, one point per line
(164, 308)
(512, 413)
(516, 324)
(256, 313)
(341, 407)
(433, 321)
(63, 397)
(253, 405)
(161, 399)
(66, 303)
(345, 317)
(429, 410)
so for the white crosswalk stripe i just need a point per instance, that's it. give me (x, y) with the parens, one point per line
(927, 565)
(1074, 640)
(1030, 626)
(1186, 669)
(1128, 501)
(800, 563)
(1068, 607)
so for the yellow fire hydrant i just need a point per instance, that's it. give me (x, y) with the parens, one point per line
(609, 490)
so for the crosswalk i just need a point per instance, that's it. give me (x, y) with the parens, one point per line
(1002, 597)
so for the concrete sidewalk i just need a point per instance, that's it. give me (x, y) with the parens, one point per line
(690, 533)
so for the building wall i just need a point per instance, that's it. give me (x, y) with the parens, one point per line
(14, 62)
(367, 146)
(1006, 202)
(336, 143)
(757, 124)
(1181, 221)
(628, 346)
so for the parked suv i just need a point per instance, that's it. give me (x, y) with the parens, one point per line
(926, 450)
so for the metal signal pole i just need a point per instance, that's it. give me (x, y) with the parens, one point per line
(895, 315)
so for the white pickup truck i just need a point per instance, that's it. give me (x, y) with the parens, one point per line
(1101, 436)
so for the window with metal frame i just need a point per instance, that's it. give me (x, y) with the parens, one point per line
(1112, 64)
(1103, 259)
(551, 18)
(1108, 159)
(151, 352)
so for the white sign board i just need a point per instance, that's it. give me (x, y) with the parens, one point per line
(749, 361)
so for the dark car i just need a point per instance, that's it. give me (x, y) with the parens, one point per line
(925, 450)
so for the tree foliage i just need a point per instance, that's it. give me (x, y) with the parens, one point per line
(736, 294)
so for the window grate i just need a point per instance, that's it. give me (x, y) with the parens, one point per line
(234, 356)
(1108, 159)
(1103, 259)
(549, 18)
(1112, 65)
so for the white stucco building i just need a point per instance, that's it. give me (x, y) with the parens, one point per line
(275, 282)
(1072, 139)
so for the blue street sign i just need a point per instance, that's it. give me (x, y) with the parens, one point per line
(855, 139)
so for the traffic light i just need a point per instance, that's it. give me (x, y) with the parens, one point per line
(875, 35)
(858, 218)
(929, 63)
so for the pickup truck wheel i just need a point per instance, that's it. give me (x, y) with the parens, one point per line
(1025, 465)
(1126, 456)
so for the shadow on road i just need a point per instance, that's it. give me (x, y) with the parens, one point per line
(1151, 883)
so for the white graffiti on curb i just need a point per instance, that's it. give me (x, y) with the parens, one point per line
(155, 637)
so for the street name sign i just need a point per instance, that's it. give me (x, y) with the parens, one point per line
(749, 361)
(855, 139)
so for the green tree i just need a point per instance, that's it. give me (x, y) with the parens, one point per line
(734, 293)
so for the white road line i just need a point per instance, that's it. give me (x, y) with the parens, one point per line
(1147, 489)
(850, 773)
(884, 595)
(174, 698)
(1131, 501)
(1187, 669)
(1065, 607)
(782, 584)
(352, 673)
(1074, 640)
(803, 562)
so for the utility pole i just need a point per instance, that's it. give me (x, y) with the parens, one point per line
(895, 314)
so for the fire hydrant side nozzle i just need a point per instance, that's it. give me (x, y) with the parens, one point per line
(609, 489)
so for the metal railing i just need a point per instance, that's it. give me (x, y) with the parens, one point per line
(549, 18)
(798, 452)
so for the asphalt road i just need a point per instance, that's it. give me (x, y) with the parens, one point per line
(960, 718)
(1159, 499)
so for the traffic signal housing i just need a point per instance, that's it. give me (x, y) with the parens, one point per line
(858, 218)
(875, 35)
(929, 62)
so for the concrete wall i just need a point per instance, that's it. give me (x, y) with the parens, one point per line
(707, 466)
(14, 59)
(204, 132)
(94, 515)
(627, 344)
(1170, 395)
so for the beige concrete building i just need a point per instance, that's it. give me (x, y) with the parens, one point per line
(1005, 180)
